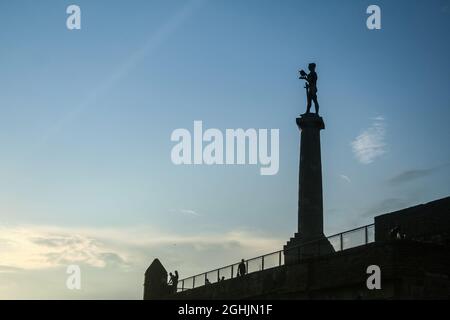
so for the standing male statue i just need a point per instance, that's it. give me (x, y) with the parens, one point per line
(311, 86)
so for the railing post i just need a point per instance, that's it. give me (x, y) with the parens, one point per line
(193, 282)
(366, 234)
(218, 275)
(246, 267)
(341, 241)
(232, 271)
(206, 277)
(182, 285)
(279, 259)
(262, 263)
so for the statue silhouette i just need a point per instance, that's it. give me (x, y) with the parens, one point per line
(311, 86)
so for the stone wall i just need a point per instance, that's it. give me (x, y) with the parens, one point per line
(427, 222)
(408, 270)
(415, 268)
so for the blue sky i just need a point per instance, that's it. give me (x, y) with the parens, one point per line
(86, 118)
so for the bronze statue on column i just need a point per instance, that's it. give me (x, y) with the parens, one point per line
(310, 86)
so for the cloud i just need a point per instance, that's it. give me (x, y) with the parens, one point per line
(386, 206)
(34, 258)
(370, 144)
(190, 212)
(8, 269)
(43, 247)
(408, 176)
(49, 247)
(344, 177)
(411, 175)
(185, 212)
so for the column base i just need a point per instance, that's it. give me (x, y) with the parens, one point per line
(299, 248)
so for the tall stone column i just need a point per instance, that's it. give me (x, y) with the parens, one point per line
(310, 201)
(309, 240)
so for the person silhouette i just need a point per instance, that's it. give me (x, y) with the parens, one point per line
(311, 87)
(175, 281)
(242, 269)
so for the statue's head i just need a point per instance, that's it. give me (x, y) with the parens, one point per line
(312, 67)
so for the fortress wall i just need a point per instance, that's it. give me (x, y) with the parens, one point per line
(408, 269)
(427, 222)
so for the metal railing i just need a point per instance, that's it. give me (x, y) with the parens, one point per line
(341, 241)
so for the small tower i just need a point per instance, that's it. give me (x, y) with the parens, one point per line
(155, 283)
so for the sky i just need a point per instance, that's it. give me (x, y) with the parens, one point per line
(86, 117)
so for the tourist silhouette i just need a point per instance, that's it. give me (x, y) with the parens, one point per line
(396, 234)
(173, 282)
(311, 87)
(241, 268)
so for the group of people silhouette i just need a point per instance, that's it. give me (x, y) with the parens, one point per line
(242, 271)
(396, 233)
(173, 282)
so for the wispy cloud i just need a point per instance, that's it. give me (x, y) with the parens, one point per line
(411, 175)
(370, 144)
(344, 177)
(386, 206)
(189, 212)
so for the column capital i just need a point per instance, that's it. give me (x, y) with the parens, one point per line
(310, 120)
